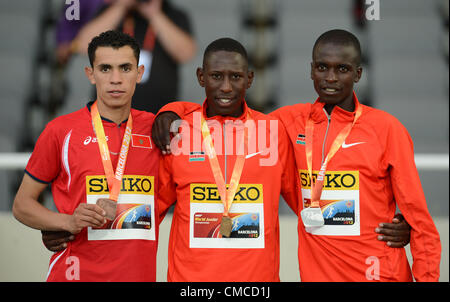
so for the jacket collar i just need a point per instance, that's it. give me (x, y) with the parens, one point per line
(89, 105)
(318, 113)
(221, 118)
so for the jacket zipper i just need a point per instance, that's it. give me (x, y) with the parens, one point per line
(225, 149)
(325, 137)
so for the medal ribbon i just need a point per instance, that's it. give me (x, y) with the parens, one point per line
(316, 188)
(226, 196)
(114, 179)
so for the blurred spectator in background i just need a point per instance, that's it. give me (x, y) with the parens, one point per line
(164, 34)
(66, 30)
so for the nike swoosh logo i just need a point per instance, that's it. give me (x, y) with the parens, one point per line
(344, 145)
(252, 154)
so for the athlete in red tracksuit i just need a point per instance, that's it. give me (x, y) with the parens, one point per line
(196, 250)
(86, 156)
(240, 182)
(66, 155)
(371, 173)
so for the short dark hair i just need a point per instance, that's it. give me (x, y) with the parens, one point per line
(340, 37)
(225, 44)
(115, 39)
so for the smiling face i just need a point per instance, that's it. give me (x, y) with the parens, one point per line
(334, 71)
(115, 74)
(226, 78)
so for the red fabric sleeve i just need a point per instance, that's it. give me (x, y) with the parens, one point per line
(408, 192)
(289, 181)
(166, 187)
(279, 113)
(44, 163)
(180, 108)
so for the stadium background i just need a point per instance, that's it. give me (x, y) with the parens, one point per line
(406, 74)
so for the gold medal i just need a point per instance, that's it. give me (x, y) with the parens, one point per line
(110, 207)
(226, 194)
(225, 226)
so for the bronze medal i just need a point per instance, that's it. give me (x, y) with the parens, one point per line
(110, 207)
(225, 226)
(114, 179)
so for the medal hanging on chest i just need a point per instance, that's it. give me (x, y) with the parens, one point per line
(312, 216)
(226, 225)
(114, 179)
(226, 195)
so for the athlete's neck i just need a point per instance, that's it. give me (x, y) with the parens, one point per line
(329, 108)
(348, 105)
(211, 111)
(115, 114)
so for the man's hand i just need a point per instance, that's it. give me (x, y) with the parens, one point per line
(396, 234)
(150, 8)
(126, 4)
(85, 215)
(56, 241)
(161, 130)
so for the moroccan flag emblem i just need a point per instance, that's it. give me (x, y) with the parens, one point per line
(141, 141)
